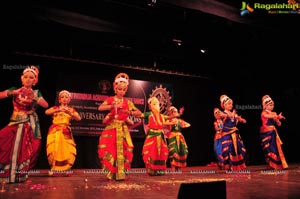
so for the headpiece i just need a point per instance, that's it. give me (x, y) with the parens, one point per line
(65, 92)
(122, 77)
(171, 109)
(266, 99)
(224, 99)
(34, 70)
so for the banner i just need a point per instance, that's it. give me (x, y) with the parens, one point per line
(86, 104)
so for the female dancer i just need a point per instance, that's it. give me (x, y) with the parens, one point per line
(20, 140)
(178, 149)
(233, 149)
(218, 125)
(115, 148)
(270, 140)
(61, 148)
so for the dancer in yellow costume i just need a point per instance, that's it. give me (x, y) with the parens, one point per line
(61, 148)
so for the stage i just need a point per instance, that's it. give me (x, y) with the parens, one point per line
(191, 182)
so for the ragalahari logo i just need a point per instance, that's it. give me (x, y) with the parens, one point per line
(245, 9)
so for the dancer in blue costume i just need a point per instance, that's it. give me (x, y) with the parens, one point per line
(218, 125)
(233, 149)
(270, 140)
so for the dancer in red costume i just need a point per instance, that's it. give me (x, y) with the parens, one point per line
(115, 148)
(20, 140)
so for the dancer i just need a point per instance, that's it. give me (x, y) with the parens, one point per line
(270, 140)
(115, 148)
(218, 125)
(20, 140)
(155, 149)
(178, 149)
(233, 149)
(61, 147)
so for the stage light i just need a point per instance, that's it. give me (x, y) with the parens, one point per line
(178, 42)
(202, 51)
(151, 3)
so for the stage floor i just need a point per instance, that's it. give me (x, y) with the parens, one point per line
(255, 182)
